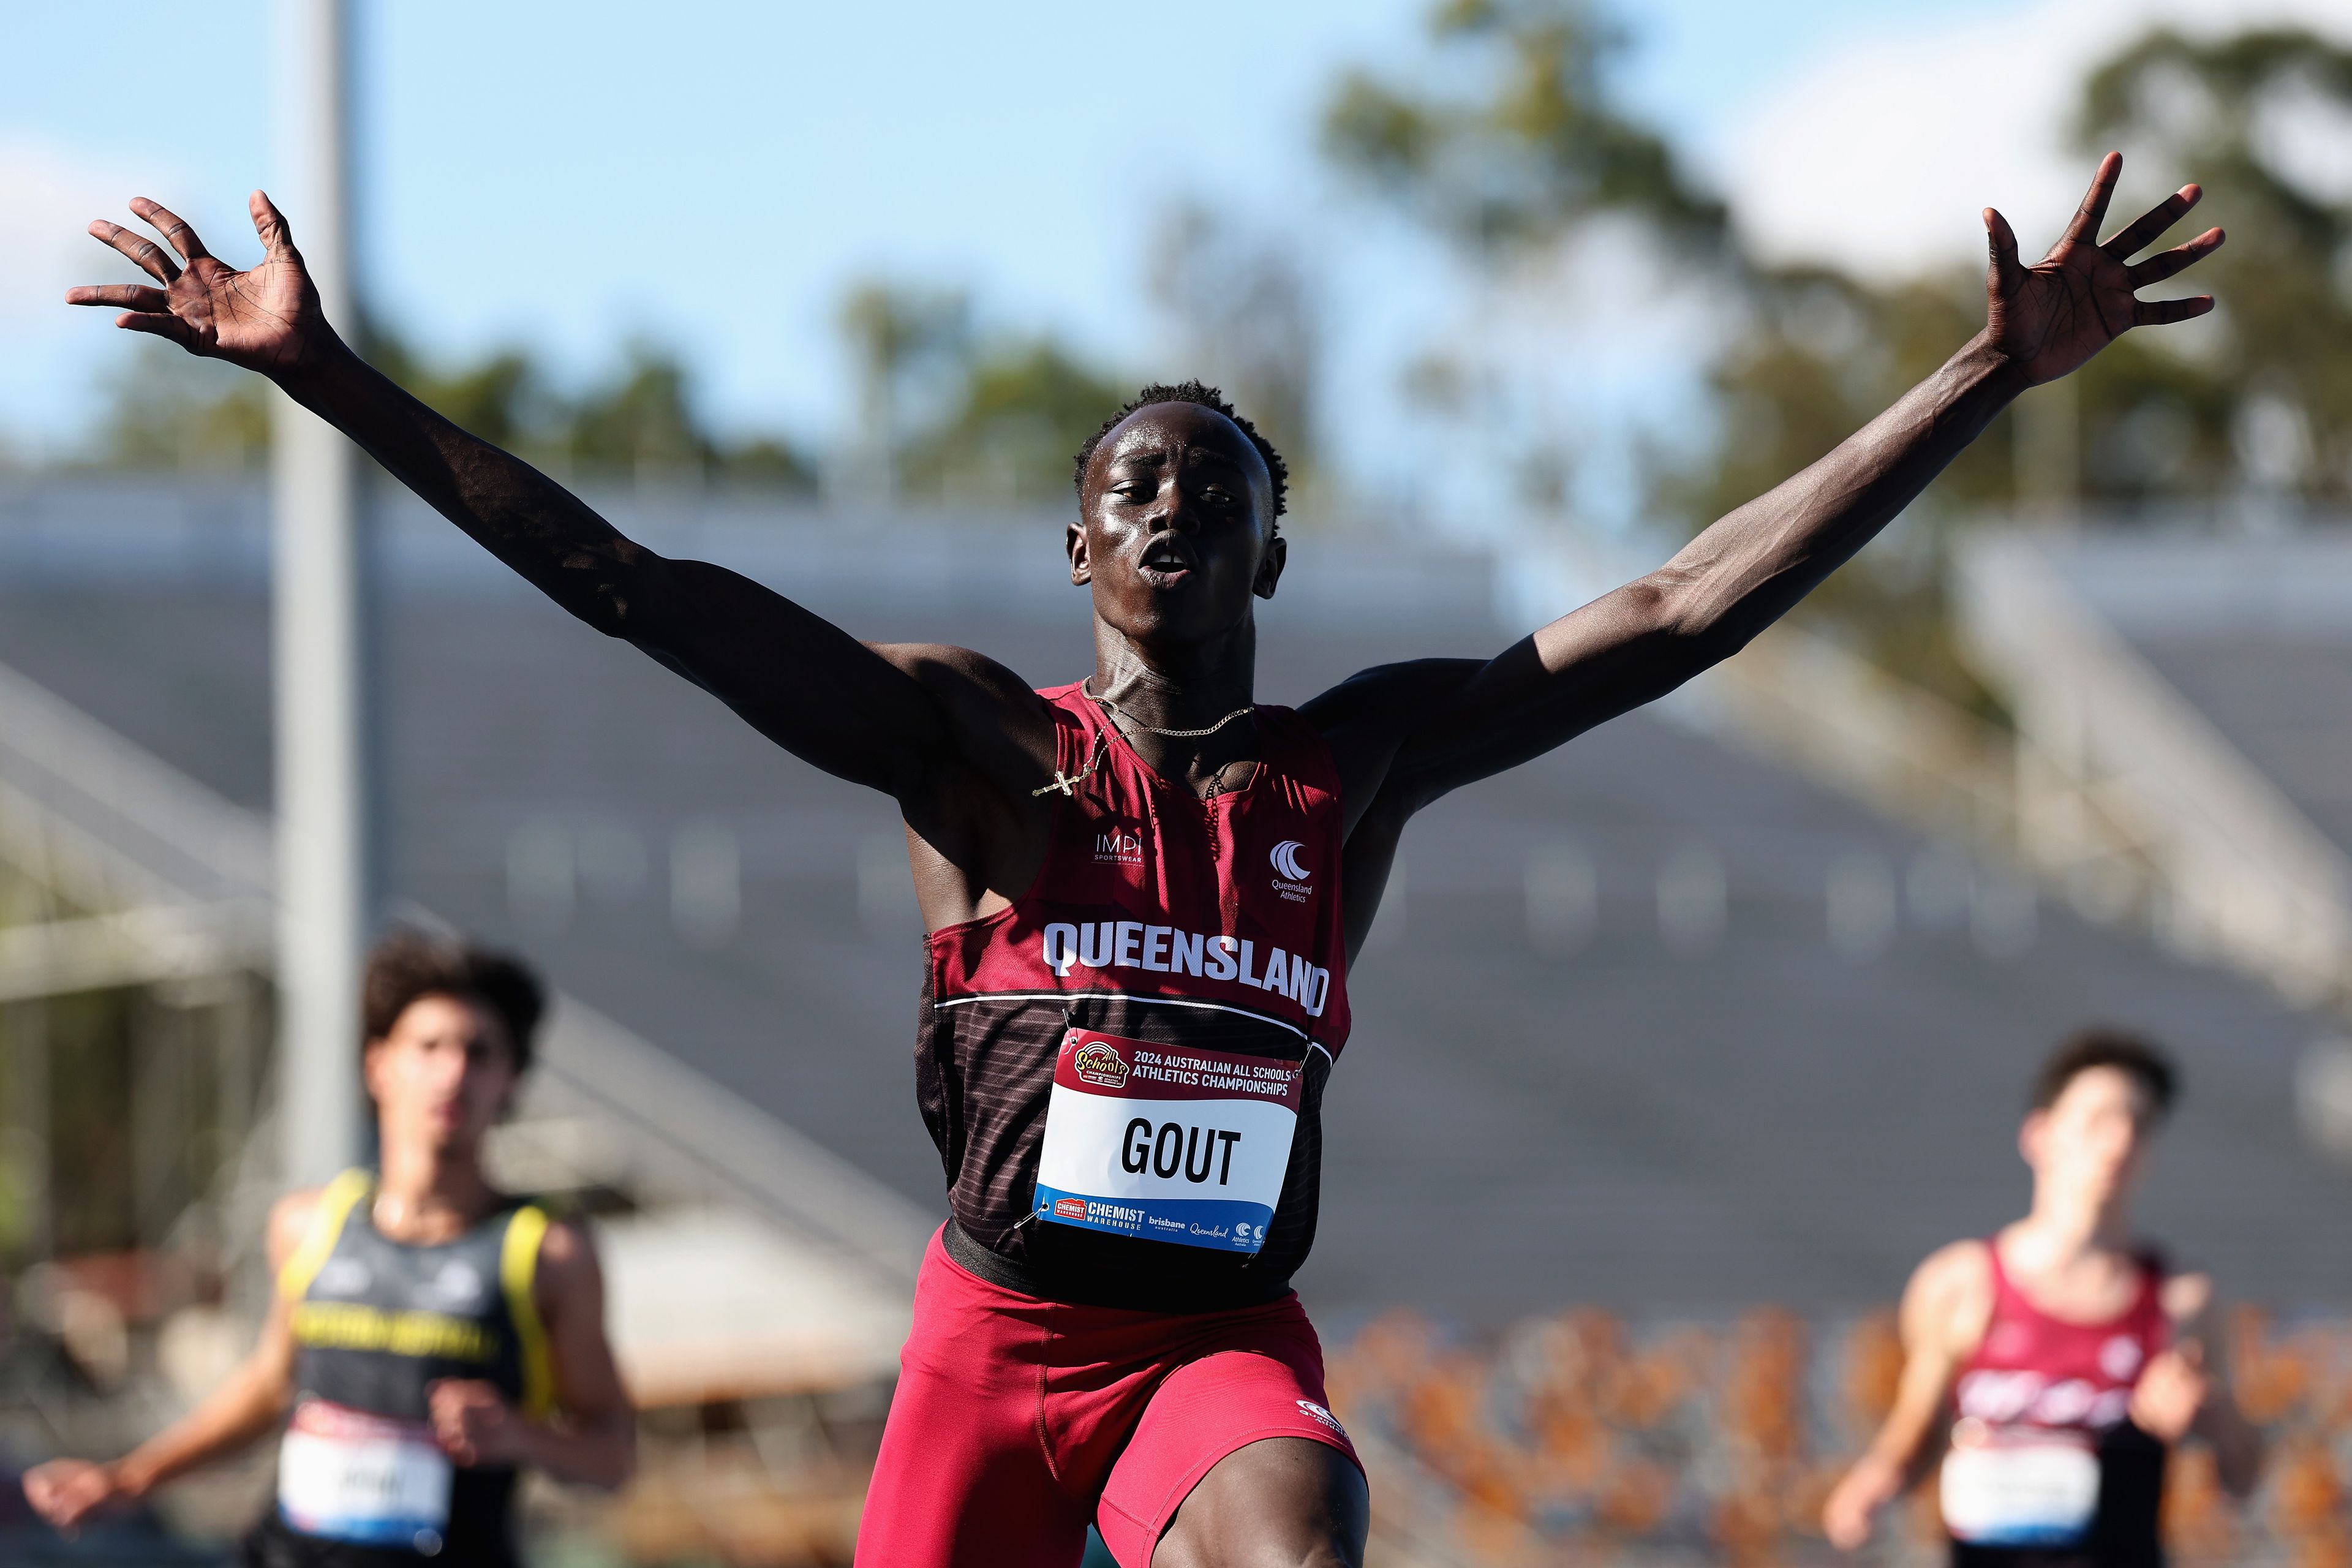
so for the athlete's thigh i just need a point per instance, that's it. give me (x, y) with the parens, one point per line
(1262, 1397)
(1279, 1500)
(962, 1481)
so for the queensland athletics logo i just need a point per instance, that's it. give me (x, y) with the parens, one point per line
(1098, 1063)
(1291, 882)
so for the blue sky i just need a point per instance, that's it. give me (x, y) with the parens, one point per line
(568, 175)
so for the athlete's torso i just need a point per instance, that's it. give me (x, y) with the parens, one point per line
(1209, 929)
(2046, 1466)
(376, 1324)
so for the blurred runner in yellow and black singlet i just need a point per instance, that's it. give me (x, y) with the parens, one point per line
(432, 1335)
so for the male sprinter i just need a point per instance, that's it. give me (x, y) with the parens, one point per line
(431, 1333)
(2059, 1359)
(1143, 889)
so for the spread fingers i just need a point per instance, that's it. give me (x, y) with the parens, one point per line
(150, 258)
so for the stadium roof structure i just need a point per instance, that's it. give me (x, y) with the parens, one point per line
(1651, 1022)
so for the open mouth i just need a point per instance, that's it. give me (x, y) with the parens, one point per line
(1166, 562)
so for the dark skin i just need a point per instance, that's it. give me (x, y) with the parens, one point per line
(1175, 542)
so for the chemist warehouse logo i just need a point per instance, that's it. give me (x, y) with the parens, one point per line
(1291, 881)
(1164, 950)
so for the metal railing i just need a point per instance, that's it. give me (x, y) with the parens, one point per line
(2112, 749)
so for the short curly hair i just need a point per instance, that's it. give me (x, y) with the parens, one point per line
(1203, 395)
(410, 964)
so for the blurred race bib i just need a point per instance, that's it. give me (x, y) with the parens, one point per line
(344, 1475)
(2020, 1486)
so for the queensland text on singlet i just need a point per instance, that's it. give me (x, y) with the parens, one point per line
(1201, 936)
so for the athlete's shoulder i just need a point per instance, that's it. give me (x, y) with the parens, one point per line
(946, 668)
(1389, 690)
(569, 1276)
(1953, 1285)
(290, 1218)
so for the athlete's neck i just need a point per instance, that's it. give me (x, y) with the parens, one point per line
(427, 1195)
(2067, 1226)
(1184, 688)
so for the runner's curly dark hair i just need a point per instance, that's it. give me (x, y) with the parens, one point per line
(1206, 397)
(410, 964)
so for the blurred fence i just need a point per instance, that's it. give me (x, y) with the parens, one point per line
(1587, 1438)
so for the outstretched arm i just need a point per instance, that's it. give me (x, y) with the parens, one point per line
(883, 717)
(1462, 722)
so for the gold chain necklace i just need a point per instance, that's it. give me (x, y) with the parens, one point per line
(1067, 784)
(1156, 730)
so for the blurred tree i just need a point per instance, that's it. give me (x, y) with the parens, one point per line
(166, 410)
(2261, 120)
(503, 398)
(947, 413)
(1527, 145)
(1023, 407)
(908, 347)
(638, 423)
(1243, 306)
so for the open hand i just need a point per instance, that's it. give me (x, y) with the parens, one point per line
(474, 1424)
(266, 318)
(67, 1491)
(2051, 317)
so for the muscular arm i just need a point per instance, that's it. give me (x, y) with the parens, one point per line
(243, 1409)
(882, 716)
(1445, 728)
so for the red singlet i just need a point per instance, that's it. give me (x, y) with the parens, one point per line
(2044, 1461)
(1124, 1074)
(1203, 931)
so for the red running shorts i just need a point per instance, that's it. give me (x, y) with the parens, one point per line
(1018, 1421)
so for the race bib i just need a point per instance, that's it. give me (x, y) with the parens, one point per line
(344, 1475)
(1167, 1143)
(2020, 1486)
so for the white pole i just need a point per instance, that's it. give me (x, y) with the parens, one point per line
(325, 791)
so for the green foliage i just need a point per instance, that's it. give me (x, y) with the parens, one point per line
(165, 410)
(1530, 148)
(169, 411)
(1243, 307)
(947, 414)
(1023, 408)
(2245, 117)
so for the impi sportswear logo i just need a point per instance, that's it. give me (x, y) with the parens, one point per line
(1098, 1063)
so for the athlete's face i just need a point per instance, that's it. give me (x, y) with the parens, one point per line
(2094, 1138)
(1175, 522)
(441, 1076)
